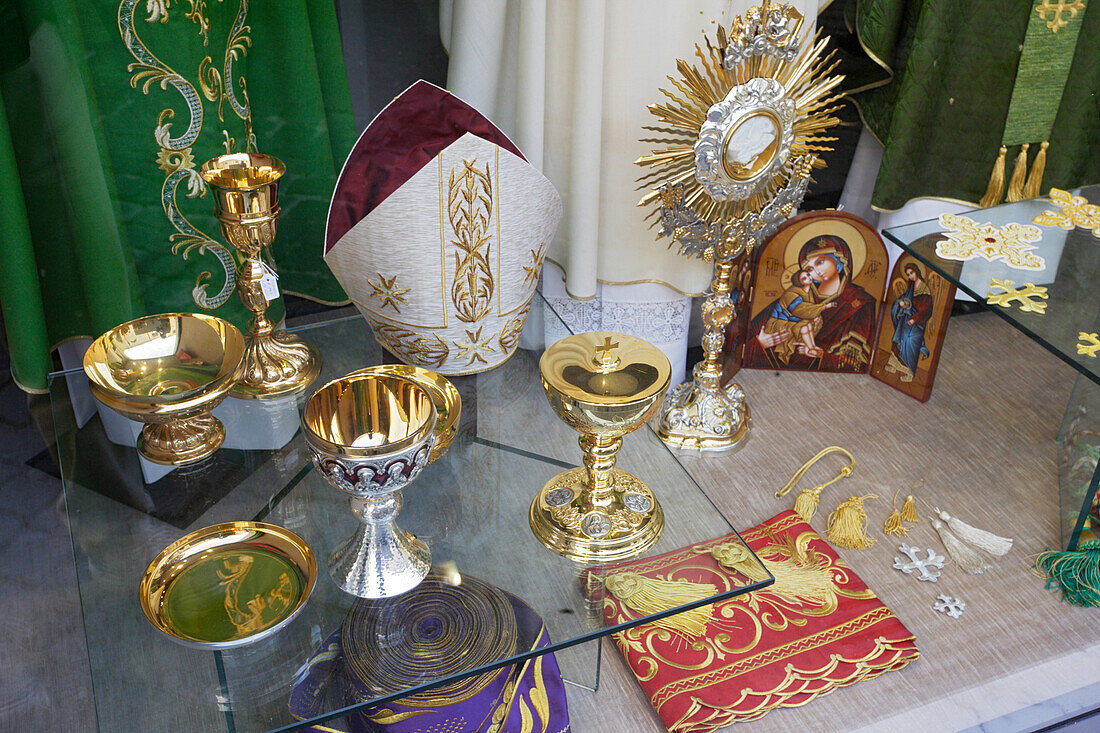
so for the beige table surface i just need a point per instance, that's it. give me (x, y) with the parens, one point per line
(985, 446)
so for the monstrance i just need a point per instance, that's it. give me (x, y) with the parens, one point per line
(740, 134)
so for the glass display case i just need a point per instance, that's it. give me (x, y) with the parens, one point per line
(470, 506)
(1032, 262)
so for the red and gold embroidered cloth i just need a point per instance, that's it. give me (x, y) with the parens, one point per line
(817, 628)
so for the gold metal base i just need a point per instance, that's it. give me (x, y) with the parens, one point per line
(700, 415)
(181, 442)
(276, 364)
(564, 519)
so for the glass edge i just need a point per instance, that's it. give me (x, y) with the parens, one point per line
(1002, 313)
(551, 648)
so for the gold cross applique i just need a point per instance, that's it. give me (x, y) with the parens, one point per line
(1023, 296)
(1056, 8)
(1091, 344)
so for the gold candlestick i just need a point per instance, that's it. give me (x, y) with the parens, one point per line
(246, 201)
(603, 385)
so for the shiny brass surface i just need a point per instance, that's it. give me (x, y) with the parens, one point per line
(370, 435)
(246, 202)
(168, 371)
(444, 396)
(603, 385)
(231, 609)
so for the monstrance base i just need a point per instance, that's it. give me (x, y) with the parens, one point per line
(276, 364)
(564, 519)
(700, 415)
(181, 442)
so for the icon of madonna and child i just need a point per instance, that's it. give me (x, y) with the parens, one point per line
(822, 319)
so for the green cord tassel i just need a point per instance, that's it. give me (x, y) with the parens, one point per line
(1077, 573)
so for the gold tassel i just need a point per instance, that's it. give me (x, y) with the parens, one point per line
(798, 577)
(651, 595)
(848, 524)
(1019, 174)
(909, 511)
(806, 503)
(737, 558)
(893, 525)
(1034, 185)
(996, 185)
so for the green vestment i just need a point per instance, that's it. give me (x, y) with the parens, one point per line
(937, 94)
(109, 108)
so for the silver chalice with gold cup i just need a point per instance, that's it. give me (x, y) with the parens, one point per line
(246, 202)
(603, 385)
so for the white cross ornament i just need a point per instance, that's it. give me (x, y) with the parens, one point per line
(953, 607)
(929, 567)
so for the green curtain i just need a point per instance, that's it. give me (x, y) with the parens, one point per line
(935, 85)
(108, 111)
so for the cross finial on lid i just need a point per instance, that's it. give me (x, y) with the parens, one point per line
(604, 357)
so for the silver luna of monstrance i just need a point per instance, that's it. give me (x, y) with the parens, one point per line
(740, 134)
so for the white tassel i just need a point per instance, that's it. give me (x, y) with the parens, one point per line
(963, 556)
(987, 541)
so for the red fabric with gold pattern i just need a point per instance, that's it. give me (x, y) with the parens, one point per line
(817, 628)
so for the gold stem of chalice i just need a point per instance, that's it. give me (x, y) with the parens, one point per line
(604, 385)
(701, 414)
(246, 202)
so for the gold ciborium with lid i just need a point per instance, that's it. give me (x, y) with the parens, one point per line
(603, 385)
(246, 201)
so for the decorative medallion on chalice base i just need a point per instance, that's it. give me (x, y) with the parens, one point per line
(246, 201)
(741, 133)
(603, 385)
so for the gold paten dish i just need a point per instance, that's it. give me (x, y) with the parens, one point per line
(447, 401)
(228, 585)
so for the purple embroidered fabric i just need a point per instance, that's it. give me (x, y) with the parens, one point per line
(444, 625)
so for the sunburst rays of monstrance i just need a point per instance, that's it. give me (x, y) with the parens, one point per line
(739, 135)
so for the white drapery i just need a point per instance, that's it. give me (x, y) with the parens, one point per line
(570, 81)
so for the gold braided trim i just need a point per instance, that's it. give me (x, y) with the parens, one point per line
(777, 654)
(867, 667)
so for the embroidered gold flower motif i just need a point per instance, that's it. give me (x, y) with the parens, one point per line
(1073, 211)
(171, 161)
(474, 347)
(966, 239)
(387, 291)
(531, 272)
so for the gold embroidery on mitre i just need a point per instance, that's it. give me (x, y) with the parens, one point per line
(386, 290)
(470, 209)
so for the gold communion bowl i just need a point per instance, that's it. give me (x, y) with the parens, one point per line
(168, 371)
(370, 435)
(603, 385)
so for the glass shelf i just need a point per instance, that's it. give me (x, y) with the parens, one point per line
(470, 507)
(1070, 261)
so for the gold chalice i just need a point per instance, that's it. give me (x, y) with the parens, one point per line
(370, 435)
(168, 371)
(603, 385)
(246, 201)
